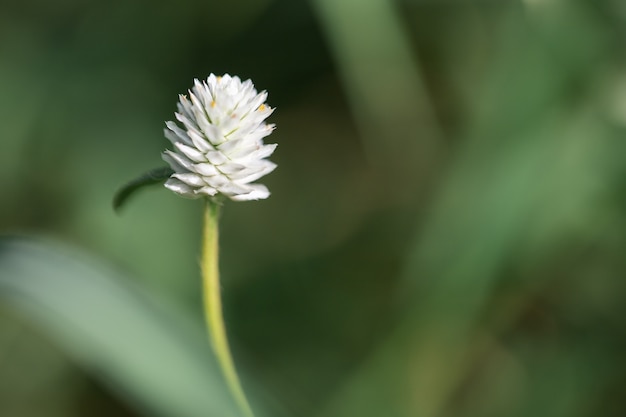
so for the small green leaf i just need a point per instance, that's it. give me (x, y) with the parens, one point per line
(154, 176)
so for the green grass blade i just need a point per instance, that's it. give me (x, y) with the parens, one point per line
(150, 355)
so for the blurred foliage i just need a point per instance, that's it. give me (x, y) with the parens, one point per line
(445, 235)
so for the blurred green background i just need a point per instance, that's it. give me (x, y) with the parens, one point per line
(445, 237)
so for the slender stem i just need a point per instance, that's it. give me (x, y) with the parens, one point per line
(213, 306)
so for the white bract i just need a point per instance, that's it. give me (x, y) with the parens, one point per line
(220, 149)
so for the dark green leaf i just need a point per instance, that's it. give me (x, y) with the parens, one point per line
(154, 176)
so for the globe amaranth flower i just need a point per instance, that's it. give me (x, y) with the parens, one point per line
(219, 149)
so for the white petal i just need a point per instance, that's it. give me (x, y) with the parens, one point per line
(179, 188)
(189, 122)
(217, 181)
(190, 152)
(210, 191)
(241, 153)
(229, 146)
(190, 178)
(214, 134)
(176, 162)
(212, 80)
(184, 106)
(263, 152)
(200, 115)
(174, 137)
(232, 188)
(216, 157)
(258, 192)
(254, 103)
(205, 169)
(178, 133)
(199, 142)
(260, 131)
(263, 169)
(202, 92)
(231, 168)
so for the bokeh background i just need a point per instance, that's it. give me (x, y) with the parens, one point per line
(445, 238)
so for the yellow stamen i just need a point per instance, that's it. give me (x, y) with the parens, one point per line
(213, 103)
(262, 107)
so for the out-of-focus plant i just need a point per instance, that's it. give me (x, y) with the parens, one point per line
(148, 352)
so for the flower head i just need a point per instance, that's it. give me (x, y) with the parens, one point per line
(219, 149)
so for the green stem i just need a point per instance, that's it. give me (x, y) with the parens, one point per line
(213, 306)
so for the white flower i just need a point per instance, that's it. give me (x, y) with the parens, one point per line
(220, 150)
